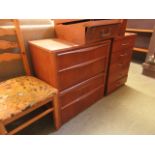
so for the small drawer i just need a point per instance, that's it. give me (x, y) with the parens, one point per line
(119, 66)
(123, 43)
(74, 57)
(121, 56)
(113, 86)
(115, 76)
(115, 57)
(98, 33)
(118, 74)
(74, 93)
(78, 73)
(116, 67)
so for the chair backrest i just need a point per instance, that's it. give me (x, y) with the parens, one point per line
(9, 46)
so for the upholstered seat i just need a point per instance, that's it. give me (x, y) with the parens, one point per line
(20, 93)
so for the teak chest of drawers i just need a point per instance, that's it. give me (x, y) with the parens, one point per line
(78, 72)
(119, 61)
(83, 62)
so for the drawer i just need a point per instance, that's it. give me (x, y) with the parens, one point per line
(78, 73)
(123, 56)
(84, 32)
(72, 94)
(74, 57)
(98, 33)
(117, 67)
(113, 86)
(81, 104)
(123, 43)
(117, 74)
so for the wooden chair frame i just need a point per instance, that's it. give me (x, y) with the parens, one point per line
(54, 99)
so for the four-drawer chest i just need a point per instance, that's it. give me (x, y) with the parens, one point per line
(87, 60)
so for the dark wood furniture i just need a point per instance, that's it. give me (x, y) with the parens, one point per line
(119, 61)
(76, 62)
(22, 95)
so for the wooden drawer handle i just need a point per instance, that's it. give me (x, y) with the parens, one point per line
(125, 44)
(122, 55)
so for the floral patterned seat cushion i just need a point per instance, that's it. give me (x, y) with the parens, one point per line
(19, 93)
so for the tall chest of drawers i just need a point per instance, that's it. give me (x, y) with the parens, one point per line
(77, 71)
(120, 59)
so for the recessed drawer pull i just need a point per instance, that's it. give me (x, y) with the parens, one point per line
(82, 50)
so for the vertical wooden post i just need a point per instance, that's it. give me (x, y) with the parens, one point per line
(56, 113)
(123, 27)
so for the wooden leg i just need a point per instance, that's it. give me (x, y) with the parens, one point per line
(57, 118)
(2, 129)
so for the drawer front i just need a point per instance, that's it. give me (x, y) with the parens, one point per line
(72, 76)
(79, 105)
(118, 74)
(119, 66)
(99, 33)
(121, 56)
(113, 86)
(123, 43)
(72, 94)
(71, 58)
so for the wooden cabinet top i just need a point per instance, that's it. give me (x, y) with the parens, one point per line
(88, 22)
(59, 45)
(53, 44)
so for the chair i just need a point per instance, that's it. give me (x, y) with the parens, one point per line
(23, 95)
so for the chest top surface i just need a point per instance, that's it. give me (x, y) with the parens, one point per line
(53, 44)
